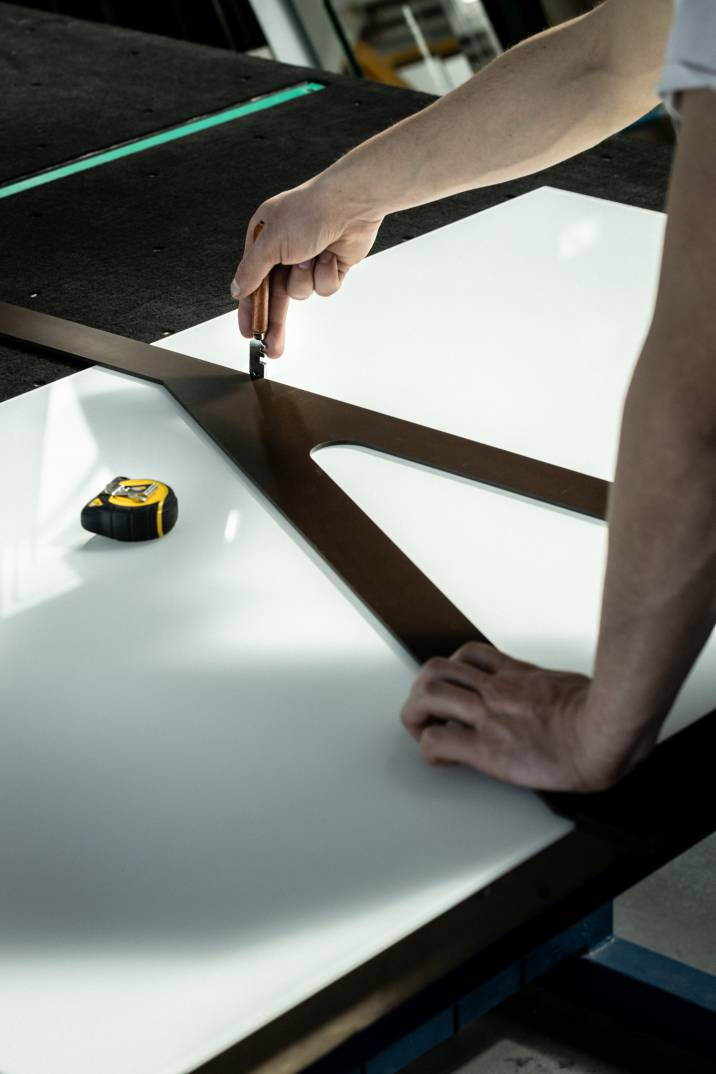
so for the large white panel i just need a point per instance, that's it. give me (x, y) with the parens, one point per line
(209, 808)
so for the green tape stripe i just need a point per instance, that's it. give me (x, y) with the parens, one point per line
(106, 156)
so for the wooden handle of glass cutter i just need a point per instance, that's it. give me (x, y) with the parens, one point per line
(260, 320)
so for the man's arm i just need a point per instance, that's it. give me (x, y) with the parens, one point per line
(660, 592)
(555, 730)
(543, 101)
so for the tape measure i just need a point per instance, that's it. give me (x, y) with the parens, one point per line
(131, 509)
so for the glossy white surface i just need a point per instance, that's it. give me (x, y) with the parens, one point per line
(209, 808)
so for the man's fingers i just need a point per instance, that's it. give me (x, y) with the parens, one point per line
(440, 701)
(462, 745)
(454, 671)
(275, 340)
(480, 655)
(325, 274)
(300, 280)
(252, 271)
(246, 313)
(258, 260)
(441, 745)
(278, 311)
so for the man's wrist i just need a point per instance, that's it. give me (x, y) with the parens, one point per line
(612, 739)
(354, 188)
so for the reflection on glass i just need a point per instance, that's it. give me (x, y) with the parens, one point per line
(232, 526)
(55, 471)
(578, 238)
(31, 574)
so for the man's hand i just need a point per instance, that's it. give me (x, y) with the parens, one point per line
(514, 721)
(311, 237)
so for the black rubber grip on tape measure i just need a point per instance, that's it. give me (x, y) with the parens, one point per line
(136, 523)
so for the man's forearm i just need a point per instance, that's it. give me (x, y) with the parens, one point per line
(543, 101)
(660, 591)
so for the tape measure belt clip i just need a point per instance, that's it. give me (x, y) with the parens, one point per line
(139, 493)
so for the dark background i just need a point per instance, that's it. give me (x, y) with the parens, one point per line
(232, 23)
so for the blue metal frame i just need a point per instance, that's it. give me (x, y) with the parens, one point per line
(587, 964)
(653, 993)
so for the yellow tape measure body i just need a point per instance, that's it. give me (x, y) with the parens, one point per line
(132, 509)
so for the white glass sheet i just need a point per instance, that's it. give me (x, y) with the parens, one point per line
(209, 808)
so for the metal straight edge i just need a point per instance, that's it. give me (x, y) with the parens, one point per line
(269, 430)
(162, 137)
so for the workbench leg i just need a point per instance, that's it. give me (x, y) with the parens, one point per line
(658, 995)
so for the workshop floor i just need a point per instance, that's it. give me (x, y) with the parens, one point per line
(673, 912)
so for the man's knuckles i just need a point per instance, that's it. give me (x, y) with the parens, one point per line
(468, 651)
(435, 666)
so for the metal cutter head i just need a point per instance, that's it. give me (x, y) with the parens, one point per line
(257, 356)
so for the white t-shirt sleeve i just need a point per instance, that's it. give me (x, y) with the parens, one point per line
(691, 52)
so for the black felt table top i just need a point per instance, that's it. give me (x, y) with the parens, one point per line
(147, 245)
(71, 87)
